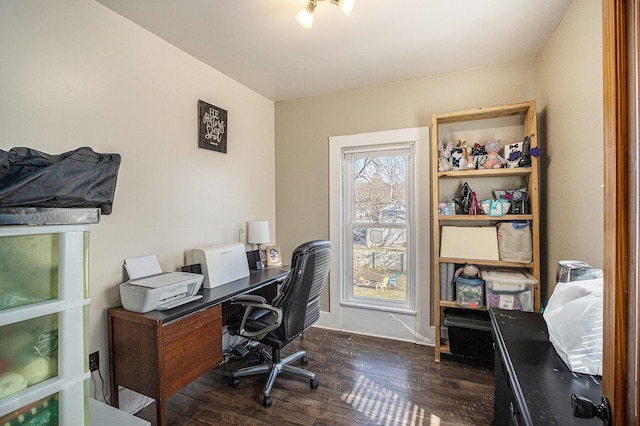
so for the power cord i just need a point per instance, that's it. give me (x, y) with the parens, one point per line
(241, 348)
(104, 396)
(95, 385)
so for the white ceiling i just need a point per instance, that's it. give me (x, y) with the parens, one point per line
(259, 43)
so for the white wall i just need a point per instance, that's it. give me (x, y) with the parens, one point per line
(74, 74)
(571, 106)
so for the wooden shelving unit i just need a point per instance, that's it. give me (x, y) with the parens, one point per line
(488, 118)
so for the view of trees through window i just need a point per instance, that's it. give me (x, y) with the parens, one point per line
(379, 227)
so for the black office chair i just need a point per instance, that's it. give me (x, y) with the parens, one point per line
(294, 310)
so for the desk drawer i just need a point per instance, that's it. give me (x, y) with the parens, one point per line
(506, 411)
(191, 347)
(189, 324)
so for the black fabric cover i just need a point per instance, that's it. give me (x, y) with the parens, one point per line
(76, 179)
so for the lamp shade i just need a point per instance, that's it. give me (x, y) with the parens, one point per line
(258, 232)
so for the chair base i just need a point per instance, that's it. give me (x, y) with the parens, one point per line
(274, 368)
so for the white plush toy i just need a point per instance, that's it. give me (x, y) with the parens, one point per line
(445, 153)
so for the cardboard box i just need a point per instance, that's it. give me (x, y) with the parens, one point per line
(469, 242)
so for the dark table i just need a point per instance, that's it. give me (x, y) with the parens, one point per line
(533, 385)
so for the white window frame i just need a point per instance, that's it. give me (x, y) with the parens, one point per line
(392, 325)
(347, 225)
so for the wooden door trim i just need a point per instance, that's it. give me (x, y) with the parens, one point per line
(616, 209)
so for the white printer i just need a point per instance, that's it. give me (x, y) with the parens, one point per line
(151, 289)
(220, 263)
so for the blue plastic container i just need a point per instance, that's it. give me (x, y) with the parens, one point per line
(470, 292)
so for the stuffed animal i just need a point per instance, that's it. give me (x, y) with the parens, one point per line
(468, 271)
(479, 155)
(458, 161)
(466, 152)
(445, 153)
(493, 160)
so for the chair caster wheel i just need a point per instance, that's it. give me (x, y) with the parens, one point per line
(234, 381)
(313, 383)
(304, 360)
(266, 401)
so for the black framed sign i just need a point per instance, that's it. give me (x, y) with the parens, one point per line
(212, 133)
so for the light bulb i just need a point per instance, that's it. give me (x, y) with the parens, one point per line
(346, 6)
(304, 18)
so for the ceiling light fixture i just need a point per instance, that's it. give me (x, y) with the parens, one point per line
(305, 16)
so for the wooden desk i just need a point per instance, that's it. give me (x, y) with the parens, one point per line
(533, 385)
(160, 352)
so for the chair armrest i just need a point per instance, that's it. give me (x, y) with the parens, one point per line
(248, 298)
(251, 302)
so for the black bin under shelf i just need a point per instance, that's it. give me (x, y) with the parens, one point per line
(469, 333)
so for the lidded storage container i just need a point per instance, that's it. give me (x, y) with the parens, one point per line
(469, 333)
(509, 289)
(470, 292)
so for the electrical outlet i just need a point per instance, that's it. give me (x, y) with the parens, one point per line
(94, 362)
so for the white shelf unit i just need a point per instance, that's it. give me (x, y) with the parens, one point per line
(510, 123)
(31, 256)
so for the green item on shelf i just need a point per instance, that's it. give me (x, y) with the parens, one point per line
(33, 367)
(47, 344)
(46, 413)
(11, 382)
(29, 266)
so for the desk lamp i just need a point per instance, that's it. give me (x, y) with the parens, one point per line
(258, 235)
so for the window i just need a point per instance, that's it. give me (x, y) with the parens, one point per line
(376, 222)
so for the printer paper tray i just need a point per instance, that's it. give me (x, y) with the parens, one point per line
(178, 302)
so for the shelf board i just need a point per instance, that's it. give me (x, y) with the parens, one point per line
(484, 113)
(444, 346)
(484, 217)
(487, 262)
(450, 304)
(517, 171)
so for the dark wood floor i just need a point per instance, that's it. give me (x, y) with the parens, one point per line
(363, 381)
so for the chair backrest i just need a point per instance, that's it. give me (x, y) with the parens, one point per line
(300, 293)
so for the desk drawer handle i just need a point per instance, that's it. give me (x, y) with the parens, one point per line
(515, 414)
(583, 408)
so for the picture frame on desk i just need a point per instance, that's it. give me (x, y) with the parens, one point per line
(255, 262)
(274, 256)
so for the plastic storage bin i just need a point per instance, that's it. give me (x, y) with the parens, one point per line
(469, 292)
(509, 289)
(469, 333)
(44, 317)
